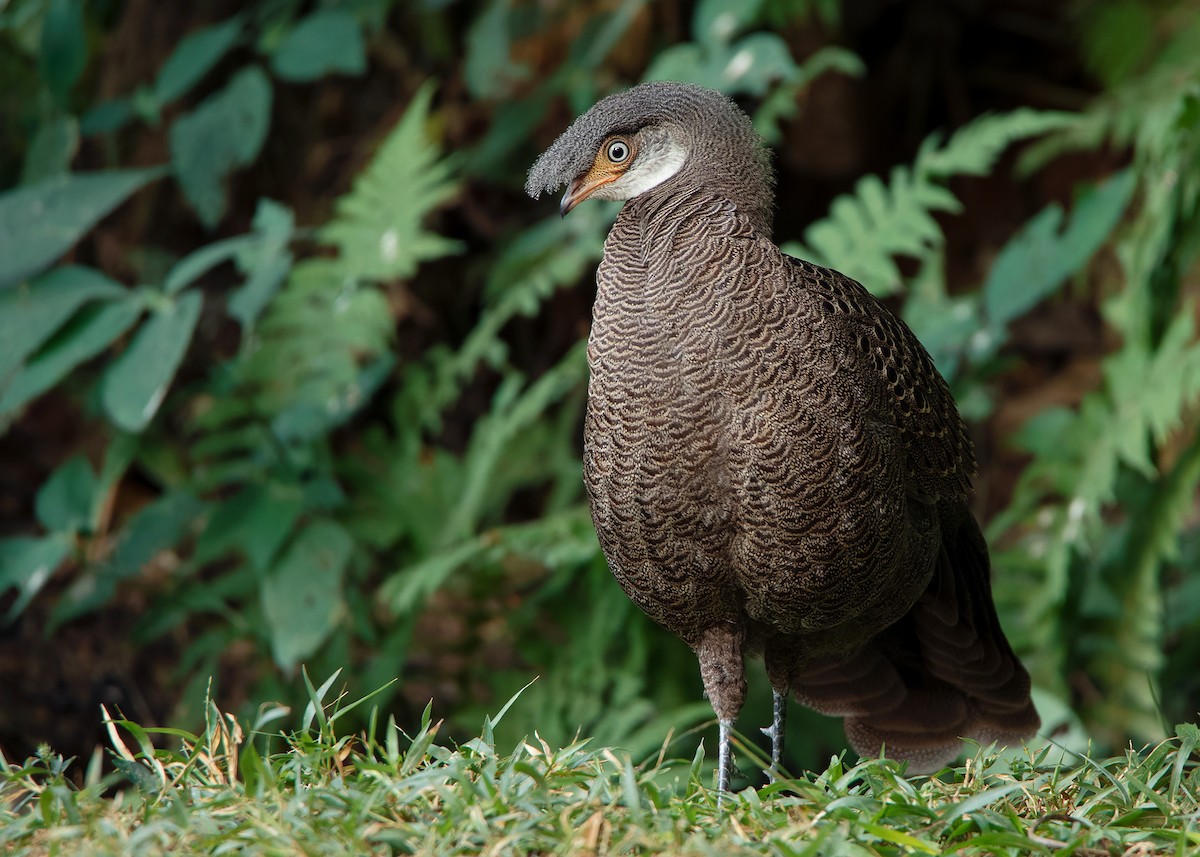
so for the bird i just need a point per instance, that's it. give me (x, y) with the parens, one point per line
(773, 463)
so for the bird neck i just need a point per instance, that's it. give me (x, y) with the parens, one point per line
(688, 198)
(742, 178)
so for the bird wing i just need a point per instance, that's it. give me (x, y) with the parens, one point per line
(940, 456)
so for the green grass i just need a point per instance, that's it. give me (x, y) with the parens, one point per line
(314, 792)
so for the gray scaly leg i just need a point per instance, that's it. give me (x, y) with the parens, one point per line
(724, 758)
(776, 732)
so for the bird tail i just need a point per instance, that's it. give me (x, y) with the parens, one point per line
(944, 672)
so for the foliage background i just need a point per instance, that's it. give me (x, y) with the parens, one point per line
(290, 370)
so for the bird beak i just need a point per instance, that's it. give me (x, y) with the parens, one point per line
(581, 189)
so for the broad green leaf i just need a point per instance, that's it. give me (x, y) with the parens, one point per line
(716, 22)
(1027, 269)
(137, 381)
(274, 221)
(224, 133)
(29, 315)
(155, 528)
(326, 42)
(256, 521)
(107, 116)
(40, 222)
(266, 262)
(1039, 258)
(944, 326)
(64, 503)
(64, 47)
(194, 57)
(263, 248)
(749, 66)
(247, 302)
(754, 63)
(50, 151)
(302, 594)
(85, 337)
(687, 62)
(194, 265)
(488, 66)
(27, 563)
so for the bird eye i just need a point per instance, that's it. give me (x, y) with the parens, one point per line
(618, 151)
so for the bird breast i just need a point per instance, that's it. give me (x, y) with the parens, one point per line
(735, 453)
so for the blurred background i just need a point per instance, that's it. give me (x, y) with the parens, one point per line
(291, 370)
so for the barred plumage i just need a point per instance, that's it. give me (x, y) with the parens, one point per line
(774, 464)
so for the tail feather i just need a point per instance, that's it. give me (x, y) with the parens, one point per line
(944, 672)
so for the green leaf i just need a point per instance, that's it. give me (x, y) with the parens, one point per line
(157, 527)
(751, 65)
(327, 41)
(1132, 608)
(754, 63)
(40, 222)
(107, 116)
(199, 262)
(31, 314)
(1038, 259)
(687, 62)
(137, 381)
(64, 503)
(64, 47)
(27, 563)
(302, 594)
(224, 133)
(85, 337)
(406, 592)
(265, 248)
(256, 521)
(944, 326)
(266, 263)
(268, 274)
(50, 151)
(716, 22)
(489, 68)
(194, 57)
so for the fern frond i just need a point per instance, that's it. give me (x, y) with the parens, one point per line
(312, 359)
(515, 410)
(549, 256)
(975, 148)
(1126, 669)
(867, 229)
(378, 225)
(313, 344)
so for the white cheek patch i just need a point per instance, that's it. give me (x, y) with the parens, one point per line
(653, 166)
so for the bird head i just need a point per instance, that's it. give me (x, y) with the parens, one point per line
(658, 137)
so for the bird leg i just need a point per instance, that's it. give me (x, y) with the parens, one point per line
(776, 731)
(724, 674)
(724, 758)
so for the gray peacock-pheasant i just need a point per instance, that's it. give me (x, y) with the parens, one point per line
(774, 464)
